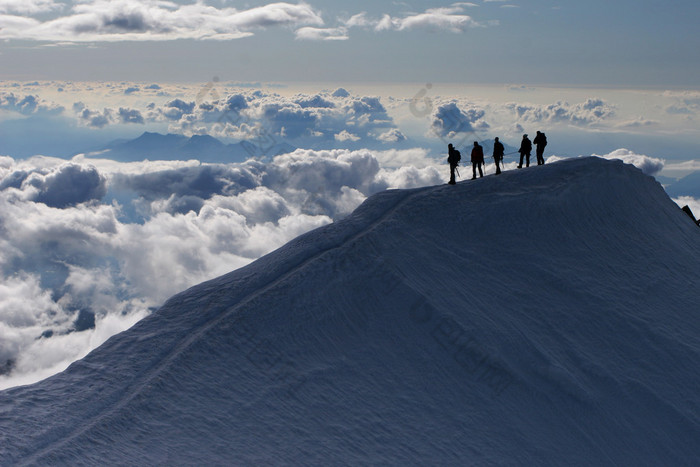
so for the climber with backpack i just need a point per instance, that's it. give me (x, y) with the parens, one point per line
(498, 151)
(477, 159)
(525, 150)
(453, 158)
(540, 141)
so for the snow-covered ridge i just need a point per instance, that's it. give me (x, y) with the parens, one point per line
(541, 316)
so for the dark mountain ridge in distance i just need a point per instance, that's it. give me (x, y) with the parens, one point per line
(205, 148)
(686, 186)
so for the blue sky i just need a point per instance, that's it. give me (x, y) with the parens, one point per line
(621, 43)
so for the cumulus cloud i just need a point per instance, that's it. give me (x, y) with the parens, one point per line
(89, 246)
(316, 101)
(267, 119)
(391, 136)
(124, 20)
(157, 20)
(107, 116)
(398, 158)
(449, 121)
(591, 111)
(28, 105)
(95, 118)
(345, 135)
(450, 18)
(648, 165)
(174, 110)
(64, 186)
(130, 116)
(28, 7)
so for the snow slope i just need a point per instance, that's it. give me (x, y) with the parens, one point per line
(544, 316)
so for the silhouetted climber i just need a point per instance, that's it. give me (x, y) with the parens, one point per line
(498, 151)
(477, 159)
(540, 141)
(453, 158)
(525, 150)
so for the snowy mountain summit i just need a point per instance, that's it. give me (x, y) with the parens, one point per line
(543, 316)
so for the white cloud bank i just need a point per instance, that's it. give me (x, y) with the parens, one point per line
(303, 119)
(28, 7)
(590, 112)
(28, 104)
(449, 121)
(88, 246)
(450, 18)
(147, 20)
(437, 19)
(77, 266)
(161, 20)
(648, 165)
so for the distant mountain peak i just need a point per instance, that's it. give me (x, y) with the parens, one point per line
(205, 148)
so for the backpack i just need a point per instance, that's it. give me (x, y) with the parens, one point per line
(459, 157)
(544, 140)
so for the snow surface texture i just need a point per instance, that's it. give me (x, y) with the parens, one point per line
(544, 316)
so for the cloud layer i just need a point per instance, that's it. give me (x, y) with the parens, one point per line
(88, 247)
(161, 20)
(589, 112)
(648, 165)
(28, 104)
(128, 20)
(449, 121)
(266, 119)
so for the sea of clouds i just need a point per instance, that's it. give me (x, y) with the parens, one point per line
(326, 119)
(89, 247)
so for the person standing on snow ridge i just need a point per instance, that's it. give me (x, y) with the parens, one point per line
(453, 158)
(498, 151)
(540, 141)
(525, 150)
(477, 159)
